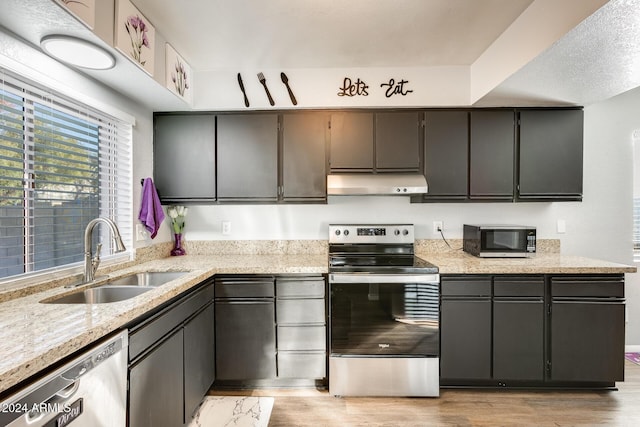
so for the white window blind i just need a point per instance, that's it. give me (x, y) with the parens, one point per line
(61, 165)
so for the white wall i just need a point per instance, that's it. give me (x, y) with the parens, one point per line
(599, 227)
(607, 221)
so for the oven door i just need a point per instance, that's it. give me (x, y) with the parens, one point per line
(384, 315)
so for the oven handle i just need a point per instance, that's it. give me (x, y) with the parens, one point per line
(383, 278)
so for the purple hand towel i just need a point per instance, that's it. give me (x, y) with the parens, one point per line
(151, 214)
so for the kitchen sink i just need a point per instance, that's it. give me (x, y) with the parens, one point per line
(119, 289)
(147, 279)
(99, 295)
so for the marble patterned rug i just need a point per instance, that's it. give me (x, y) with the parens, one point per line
(233, 411)
(633, 357)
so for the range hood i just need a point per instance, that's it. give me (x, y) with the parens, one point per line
(381, 184)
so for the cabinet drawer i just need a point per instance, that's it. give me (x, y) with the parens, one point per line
(296, 311)
(244, 287)
(302, 365)
(302, 338)
(300, 288)
(518, 287)
(588, 287)
(463, 286)
(151, 330)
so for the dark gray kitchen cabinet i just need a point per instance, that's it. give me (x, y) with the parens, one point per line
(171, 360)
(381, 141)
(446, 154)
(518, 328)
(155, 386)
(351, 142)
(247, 157)
(301, 322)
(304, 156)
(550, 143)
(465, 328)
(532, 330)
(245, 328)
(587, 329)
(492, 148)
(184, 157)
(397, 141)
(199, 359)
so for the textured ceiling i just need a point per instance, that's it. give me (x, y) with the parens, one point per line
(598, 59)
(331, 33)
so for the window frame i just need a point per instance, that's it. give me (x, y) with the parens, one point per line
(114, 173)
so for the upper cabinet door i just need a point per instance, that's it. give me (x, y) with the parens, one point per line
(304, 156)
(492, 155)
(397, 145)
(351, 142)
(551, 154)
(447, 154)
(247, 157)
(184, 157)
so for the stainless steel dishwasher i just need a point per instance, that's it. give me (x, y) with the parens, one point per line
(90, 390)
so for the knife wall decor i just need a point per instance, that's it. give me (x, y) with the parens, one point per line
(246, 100)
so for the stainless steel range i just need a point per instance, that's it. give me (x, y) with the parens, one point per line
(384, 313)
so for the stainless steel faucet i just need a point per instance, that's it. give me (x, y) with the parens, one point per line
(91, 263)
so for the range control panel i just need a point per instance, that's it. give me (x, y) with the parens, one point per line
(366, 233)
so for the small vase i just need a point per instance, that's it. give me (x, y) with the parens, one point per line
(177, 245)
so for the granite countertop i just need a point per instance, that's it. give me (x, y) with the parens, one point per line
(458, 262)
(33, 335)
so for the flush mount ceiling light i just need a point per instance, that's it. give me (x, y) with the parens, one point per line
(77, 52)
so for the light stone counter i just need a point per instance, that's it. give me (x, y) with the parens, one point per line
(542, 263)
(34, 335)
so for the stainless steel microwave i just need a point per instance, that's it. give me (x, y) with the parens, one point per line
(499, 241)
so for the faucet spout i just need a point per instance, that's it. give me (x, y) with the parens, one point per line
(91, 263)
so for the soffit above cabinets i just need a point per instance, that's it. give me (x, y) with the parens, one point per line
(480, 52)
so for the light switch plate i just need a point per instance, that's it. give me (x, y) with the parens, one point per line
(561, 226)
(141, 233)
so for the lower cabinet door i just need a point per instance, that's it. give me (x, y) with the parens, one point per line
(465, 344)
(245, 340)
(156, 381)
(587, 341)
(199, 359)
(518, 340)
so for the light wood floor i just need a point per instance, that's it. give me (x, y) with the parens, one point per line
(461, 407)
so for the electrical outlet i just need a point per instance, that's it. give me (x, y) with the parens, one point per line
(226, 228)
(438, 226)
